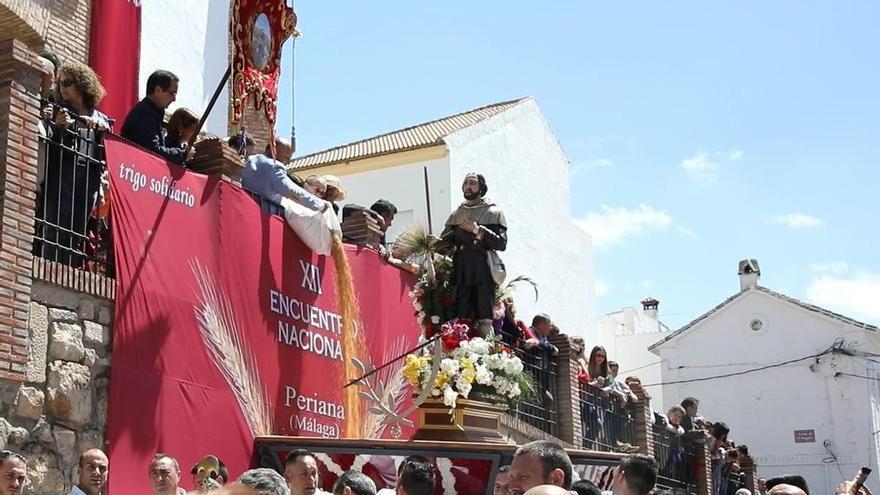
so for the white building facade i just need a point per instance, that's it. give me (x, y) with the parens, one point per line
(626, 335)
(526, 170)
(815, 416)
(191, 39)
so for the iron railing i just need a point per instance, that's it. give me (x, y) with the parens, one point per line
(67, 227)
(540, 411)
(607, 422)
(675, 457)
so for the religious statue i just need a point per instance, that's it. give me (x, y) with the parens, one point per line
(473, 234)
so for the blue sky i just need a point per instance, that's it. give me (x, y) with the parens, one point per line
(699, 133)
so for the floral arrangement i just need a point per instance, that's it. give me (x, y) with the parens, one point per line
(433, 296)
(468, 364)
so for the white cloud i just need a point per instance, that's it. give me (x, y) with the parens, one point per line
(611, 225)
(797, 220)
(735, 155)
(702, 169)
(852, 295)
(576, 168)
(602, 288)
(834, 267)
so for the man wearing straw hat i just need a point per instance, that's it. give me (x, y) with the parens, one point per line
(473, 234)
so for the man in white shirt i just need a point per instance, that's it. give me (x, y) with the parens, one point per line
(165, 475)
(301, 473)
(93, 470)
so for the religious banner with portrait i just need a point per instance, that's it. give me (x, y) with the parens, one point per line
(228, 327)
(258, 29)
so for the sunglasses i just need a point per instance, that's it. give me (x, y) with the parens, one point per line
(67, 82)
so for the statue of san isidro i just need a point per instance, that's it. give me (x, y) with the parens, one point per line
(473, 235)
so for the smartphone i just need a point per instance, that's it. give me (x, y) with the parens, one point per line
(861, 477)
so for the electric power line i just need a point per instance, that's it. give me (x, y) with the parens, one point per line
(744, 372)
(841, 373)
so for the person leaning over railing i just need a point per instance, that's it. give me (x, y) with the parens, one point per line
(618, 388)
(73, 165)
(539, 335)
(672, 420)
(181, 127)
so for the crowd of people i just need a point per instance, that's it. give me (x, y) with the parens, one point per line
(537, 468)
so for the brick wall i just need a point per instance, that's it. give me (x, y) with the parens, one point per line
(59, 25)
(19, 88)
(256, 126)
(68, 27)
(24, 20)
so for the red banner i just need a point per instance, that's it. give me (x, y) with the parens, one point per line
(114, 52)
(227, 326)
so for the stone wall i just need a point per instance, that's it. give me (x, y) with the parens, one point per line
(62, 408)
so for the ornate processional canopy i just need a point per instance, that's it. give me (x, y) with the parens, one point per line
(259, 28)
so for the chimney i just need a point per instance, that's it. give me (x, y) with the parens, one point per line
(749, 274)
(649, 307)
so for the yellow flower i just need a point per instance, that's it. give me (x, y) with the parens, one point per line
(468, 371)
(442, 379)
(412, 370)
(468, 374)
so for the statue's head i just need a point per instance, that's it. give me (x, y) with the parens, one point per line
(474, 186)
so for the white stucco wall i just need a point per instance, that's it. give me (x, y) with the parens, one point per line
(626, 336)
(403, 185)
(764, 408)
(191, 39)
(527, 174)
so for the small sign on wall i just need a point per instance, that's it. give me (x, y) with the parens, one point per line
(804, 436)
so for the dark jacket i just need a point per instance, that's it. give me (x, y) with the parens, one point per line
(143, 126)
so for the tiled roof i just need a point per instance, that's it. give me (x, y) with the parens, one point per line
(797, 302)
(414, 137)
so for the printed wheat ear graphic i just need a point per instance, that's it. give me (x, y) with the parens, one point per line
(222, 339)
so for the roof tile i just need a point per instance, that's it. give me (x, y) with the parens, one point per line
(410, 138)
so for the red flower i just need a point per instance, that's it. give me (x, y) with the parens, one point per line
(450, 342)
(447, 301)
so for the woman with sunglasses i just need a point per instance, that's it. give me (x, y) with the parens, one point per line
(80, 91)
(73, 166)
(597, 366)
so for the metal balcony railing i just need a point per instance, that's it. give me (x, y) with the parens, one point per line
(607, 421)
(541, 410)
(68, 227)
(675, 457)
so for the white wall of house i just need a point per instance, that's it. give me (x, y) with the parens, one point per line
(191, 39)
(527, 174)
(764, 408)
(403, 185)
(626, 336)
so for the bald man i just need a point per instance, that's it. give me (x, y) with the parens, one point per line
(783, 489)
(93, 470)
(547, 490)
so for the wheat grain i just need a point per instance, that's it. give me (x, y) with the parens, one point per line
(236, 363)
